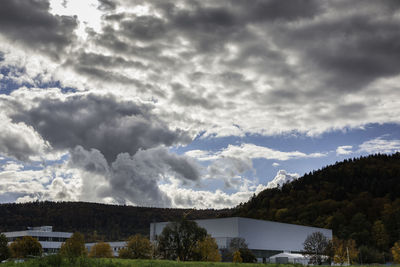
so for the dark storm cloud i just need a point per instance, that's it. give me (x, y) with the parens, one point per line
(93, 59)
(30, 23)
(183, 96)
(345, 50)
(135, 178)
(270, 10)
(143, 28)
(352, 51)
(100, 122)
(16, 145)
(107, 5)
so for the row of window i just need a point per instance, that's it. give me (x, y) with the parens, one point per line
(41, 238)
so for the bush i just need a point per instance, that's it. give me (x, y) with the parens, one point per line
(236, 257)
(74, 247)
(101, 250)
(25, 246)
(208, 249)
(137, 247)
(370, 255)
(53, 260)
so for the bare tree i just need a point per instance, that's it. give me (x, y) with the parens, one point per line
(316, 246)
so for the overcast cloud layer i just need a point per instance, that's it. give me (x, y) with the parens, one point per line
(102, 101)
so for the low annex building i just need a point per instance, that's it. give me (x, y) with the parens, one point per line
(50, 241)
(264, 238)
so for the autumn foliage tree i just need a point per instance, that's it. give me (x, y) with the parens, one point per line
(101, 250)
(236, 257)
(74, 247)
(137, 247)
(25, 246)
(208, 249)
(396, 252)
(344, 250)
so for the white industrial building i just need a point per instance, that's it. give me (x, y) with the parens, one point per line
(50, 241)
(264, 238)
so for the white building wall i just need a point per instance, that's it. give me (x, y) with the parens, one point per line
(268, 235)
(258, 234)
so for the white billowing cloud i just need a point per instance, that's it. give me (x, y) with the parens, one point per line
(380, 145)
(201, 155)
(251, 151)
(12, 166)
(281, 178)
(56, 182)
(21, 141)
(229, 170)
(232, 163)
(202, 199)
(344, 150)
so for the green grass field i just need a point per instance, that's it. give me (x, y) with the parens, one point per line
(88, 262)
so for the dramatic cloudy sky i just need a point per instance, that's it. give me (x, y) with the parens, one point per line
(190, 103)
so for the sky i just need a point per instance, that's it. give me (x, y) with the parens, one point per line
(190, 104)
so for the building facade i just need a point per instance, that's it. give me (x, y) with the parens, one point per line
(264, 238)
(50, 241)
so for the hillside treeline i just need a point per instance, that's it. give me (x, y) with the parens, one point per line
(95, 221)
(358, 198)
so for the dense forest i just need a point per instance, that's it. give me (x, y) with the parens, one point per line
(358, 198)
(95, 221)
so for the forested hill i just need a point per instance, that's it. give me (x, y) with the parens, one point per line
(358, 199)
(96, 221)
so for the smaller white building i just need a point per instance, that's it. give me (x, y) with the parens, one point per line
(50, 241)
(287, 257)
(115, 246)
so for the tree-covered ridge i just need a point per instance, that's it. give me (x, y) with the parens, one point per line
(96, 221)
(357, 198)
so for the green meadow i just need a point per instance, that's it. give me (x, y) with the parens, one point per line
(88, 262)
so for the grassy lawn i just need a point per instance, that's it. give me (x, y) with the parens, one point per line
(87, 262)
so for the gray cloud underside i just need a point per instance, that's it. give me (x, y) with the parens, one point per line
(29, 22)
(135, 178)
(272, 56)
(100, 122)
(213, 61)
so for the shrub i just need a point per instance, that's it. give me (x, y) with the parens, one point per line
(25, 246)
(137, 247)
(101, 250)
